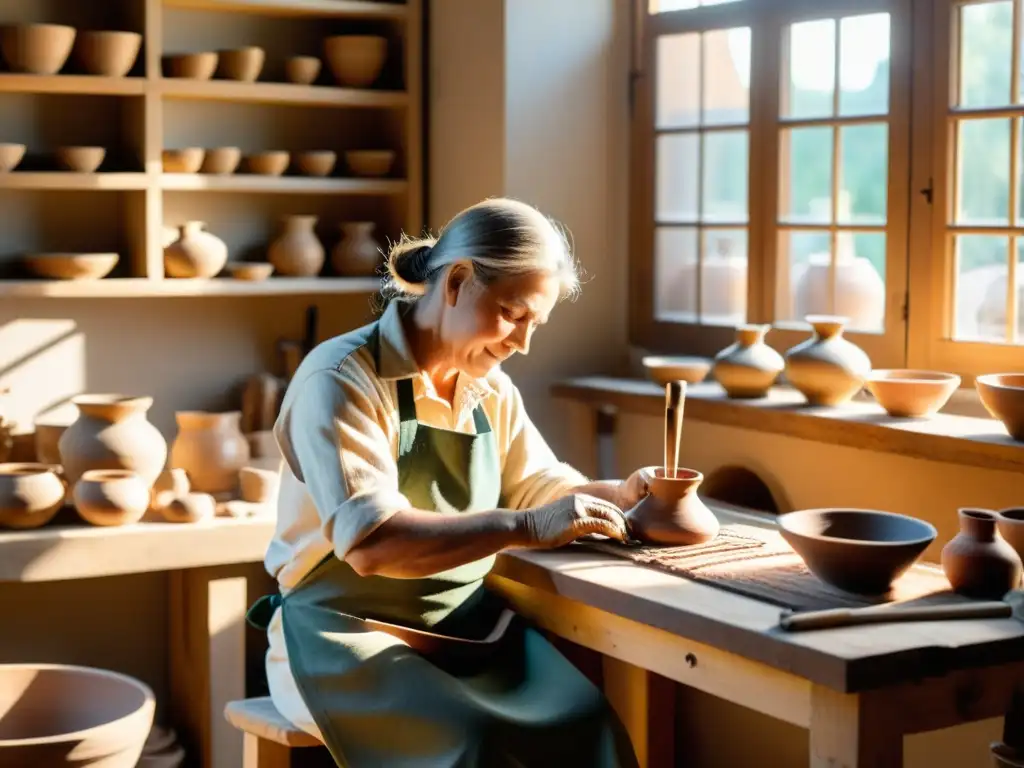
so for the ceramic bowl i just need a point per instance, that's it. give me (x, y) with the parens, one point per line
(250, 270)
(1002, 394)
(910, 394)
(267, 163)
(37, 49)
(1010, 523)
(31, 494)
(302, 70)
(71, 266)
(356, 60)
(107, 53)
(10, 156)
(191, 66)
(316, 162)
(111, 497)
(220, 161)
(80, 159)
(187, 160)
(241, 64)
(663, 369)
(857, 550)
(370, 162)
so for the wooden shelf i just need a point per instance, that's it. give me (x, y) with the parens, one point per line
(280, 93)
(281, 184)
(57, 180)
(128, 288)
(74, 84)
(362, 9)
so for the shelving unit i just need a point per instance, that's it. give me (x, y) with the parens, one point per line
(138, 116)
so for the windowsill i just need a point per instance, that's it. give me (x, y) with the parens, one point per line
(956, 439)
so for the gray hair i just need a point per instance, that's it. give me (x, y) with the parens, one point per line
(498, 237)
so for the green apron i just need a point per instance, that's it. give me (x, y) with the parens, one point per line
(497, 694)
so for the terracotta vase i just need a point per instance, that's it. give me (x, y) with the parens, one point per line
(749, 367)
(672, 514)
(195, 253)
(357, 254)
(211, 448)
(112, 432)
(109, 497)
(297, 252)
(30, 495)
(827, 369)
(977, 561)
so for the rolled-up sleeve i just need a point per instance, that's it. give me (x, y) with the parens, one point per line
(531, 474)
(333, 441)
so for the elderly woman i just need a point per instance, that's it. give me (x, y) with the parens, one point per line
(409, 462)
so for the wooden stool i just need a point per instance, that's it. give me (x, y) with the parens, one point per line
(269, 738)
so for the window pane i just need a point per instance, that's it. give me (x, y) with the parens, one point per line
(983, 171)
(725, 177)
(662, 6)
(677, 95)
(677, 170)
(675, 273)
(812, 70)
(726, 76)
(864, 65)
(860, 279)
(864, 173)
(801, 253)
(806, 175)
(724, 277)
(981, 267)
(986, 38)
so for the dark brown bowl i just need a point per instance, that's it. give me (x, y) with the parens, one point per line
(857, 550)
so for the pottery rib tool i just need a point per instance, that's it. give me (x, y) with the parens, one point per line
(675, 399)
(884, 614)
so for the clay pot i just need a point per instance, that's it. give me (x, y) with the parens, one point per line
(171, 484)
(662, 370)
(61, 715)
(190, 508)
(827, 369)
(370, 162)
(749, 367)
(357, 254)
(1010, 524)
(258, 486)
(302, 70)
(860, 290)
(356, 60)
(723, 286)
(316, 163)
(672, 513)
(71, 266)
(80, 159)
(109, 497)
(272, 163)
(242, 64)
(251, 271)
(911, 394)
(1002, 394)
(297, 252)
(191, 66)
(977, 561)
(186, 160)
(47, 442)
(30, 495)
(112, 432)
(10, 156)
(195, 253)
(37, 49)
(107, 53)
(221, 160)
(211, 448)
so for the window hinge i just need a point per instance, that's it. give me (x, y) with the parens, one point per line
(906, 307)
(927, 192)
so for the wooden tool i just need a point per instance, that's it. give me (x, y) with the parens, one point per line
(884, 614)
(675, 399)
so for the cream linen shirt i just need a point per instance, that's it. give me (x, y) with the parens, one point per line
(338, 434)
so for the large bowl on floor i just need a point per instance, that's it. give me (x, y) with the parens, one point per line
(59, 715)
(857, 550)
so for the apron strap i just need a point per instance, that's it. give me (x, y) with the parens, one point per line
(406, 416)
(262, 611)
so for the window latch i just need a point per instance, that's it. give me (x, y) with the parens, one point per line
(927, 192)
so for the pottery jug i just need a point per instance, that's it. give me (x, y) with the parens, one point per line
(357, 254)
(977, 561)
(827, 369)
(210, 447)
(111, 432)
(297, 252)
(672, 514)
(749, 367)
(195, 253)
(30, 495)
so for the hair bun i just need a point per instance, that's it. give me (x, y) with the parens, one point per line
(409, 265)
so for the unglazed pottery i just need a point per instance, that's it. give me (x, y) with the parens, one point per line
(316, 162)
(827, 369)
(857, 550)
(37, 49)
(672, 514)
(272, 163)
(196, 253)
(10, 156)
(220, 161)
(190, 508)
(171, 484)
(71, 266)
(111, 432)
(30, 495)
(297, 252)
(1002, 394)
(107, 53)
(80, 159)
(242, 64)
(977, 561)
(302, 70)
(370, 162)
(187, 160)
(662, 369)
(191, 66)
(109, 497)
(911, 394)
(258, 486)
(47, 442)
(859, 295)
(250, 271)
(748, 368)
(210, 447)
(1010, 524)
(357, 254)
(356, 60)
(63, 716)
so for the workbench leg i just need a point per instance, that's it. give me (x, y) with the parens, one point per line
(1009, 753)
(851, 730)
(645, 703)
(207, 662)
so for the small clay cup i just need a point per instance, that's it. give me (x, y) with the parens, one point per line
(978, 561)
(316, 162)
(172, 484)
(272, 163)
(221, 161)
(10, 156)
(30, 495)
(190, 508)
(187, 160)
(109, 497)
(672, 514)
(302, 70)
(258, 486)
(251, 271)
(81, 159)
(191, 66)
(241, 64)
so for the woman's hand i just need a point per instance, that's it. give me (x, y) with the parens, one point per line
(566, 519)
(633, 490)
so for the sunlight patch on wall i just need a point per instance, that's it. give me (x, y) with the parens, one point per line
(42, 363)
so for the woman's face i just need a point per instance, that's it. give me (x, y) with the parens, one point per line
(485, 325)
